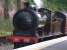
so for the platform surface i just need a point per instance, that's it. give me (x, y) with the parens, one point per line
(59, 46)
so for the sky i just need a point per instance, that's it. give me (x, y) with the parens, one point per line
(38, 3)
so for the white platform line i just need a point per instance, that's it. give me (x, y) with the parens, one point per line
(44, 44)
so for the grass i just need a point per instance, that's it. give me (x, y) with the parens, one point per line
(2, 34)
(5, 27)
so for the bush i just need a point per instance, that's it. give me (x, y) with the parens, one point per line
(6, 25)
(2, 34)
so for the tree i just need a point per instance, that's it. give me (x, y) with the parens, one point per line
(6, 9)
(12, 7)
(31, 1)
(18, 4)
(1, 9)
(56, 4)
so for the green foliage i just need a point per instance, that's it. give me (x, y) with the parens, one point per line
(12, 3)
(2, 34)
(5, 25)
(31, 1)
(56, 4)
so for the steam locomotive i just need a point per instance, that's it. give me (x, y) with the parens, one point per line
(25, 23)
(27, 29)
